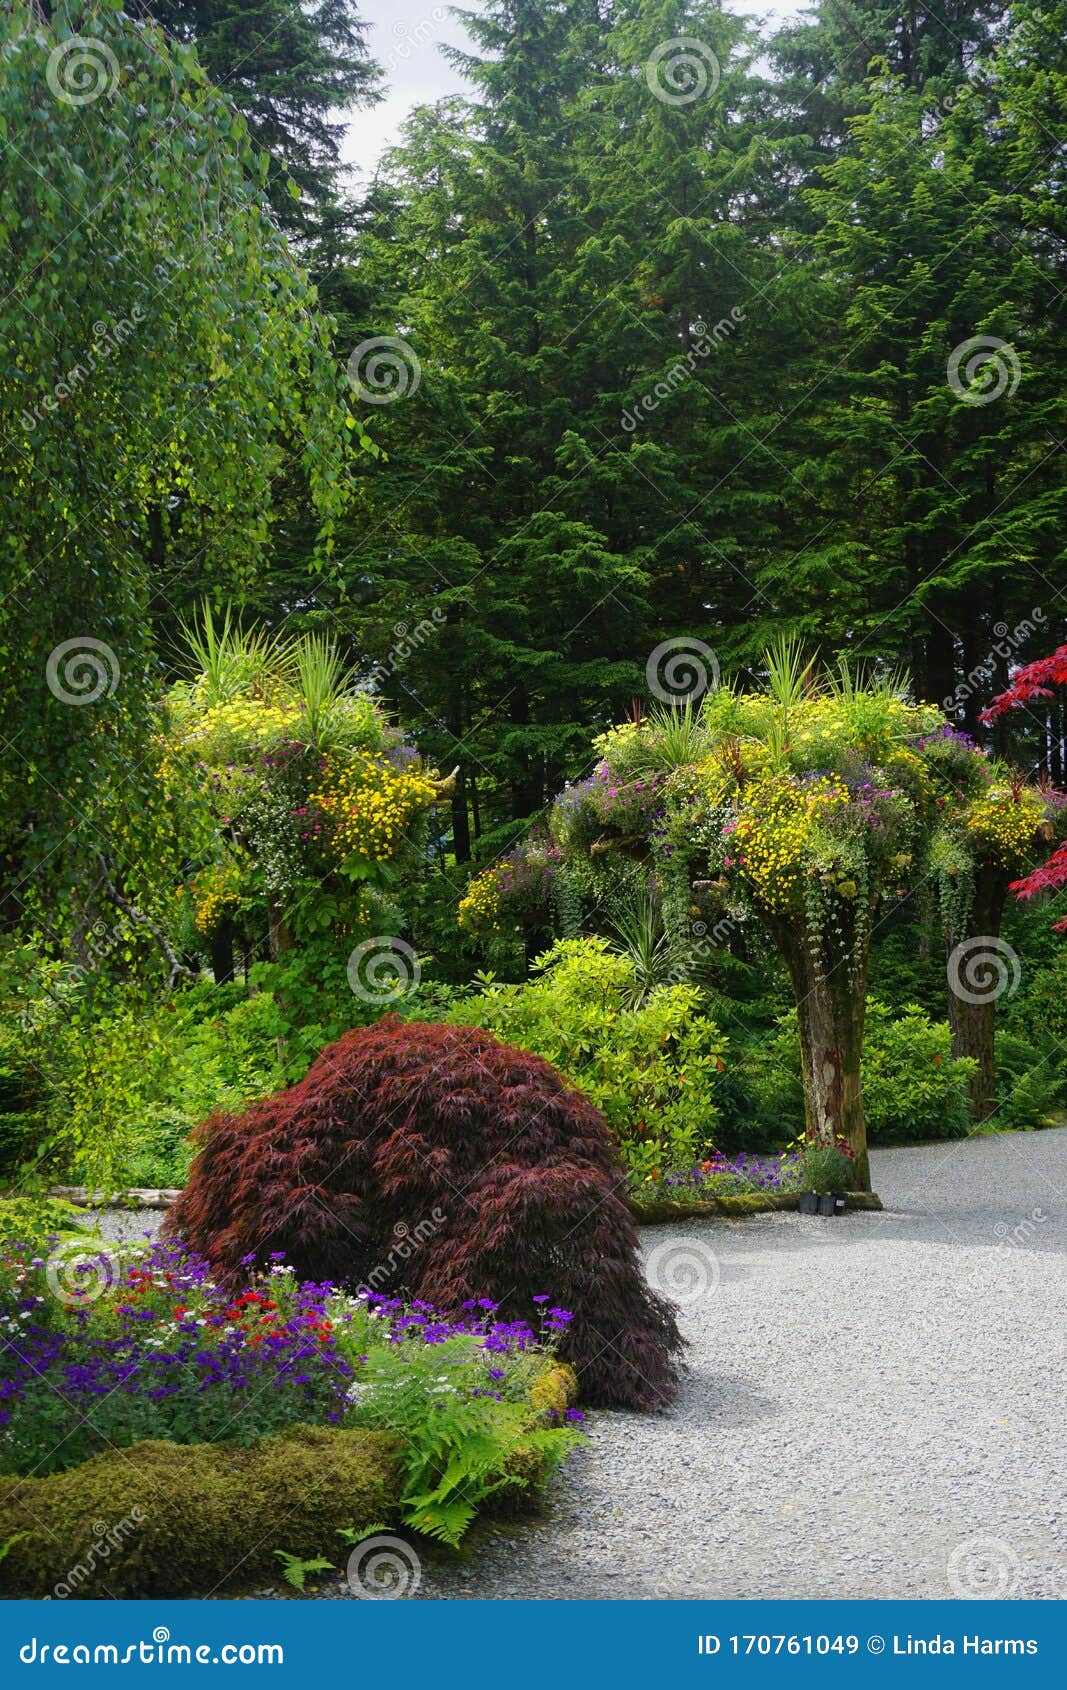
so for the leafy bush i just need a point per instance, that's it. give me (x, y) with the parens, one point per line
(35, 1221)
(1031, 1082)
(495, 1176)
(826, 1168)
(463, 1441)
(119, 1091)
(649, 1066)
(913, 1087)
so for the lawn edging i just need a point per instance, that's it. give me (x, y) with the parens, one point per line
(745, 1203)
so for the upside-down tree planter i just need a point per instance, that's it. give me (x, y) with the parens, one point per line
(436, 1162)
(803, 807)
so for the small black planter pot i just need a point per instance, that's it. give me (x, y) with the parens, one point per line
(827, 1203)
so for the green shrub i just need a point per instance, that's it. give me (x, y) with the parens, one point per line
(35, 1220)
(1031, 1082)
(167, 1519)
(462, 1444)
(650, 1067)
(913, 1087)
(126, 1090)
(760, 1094)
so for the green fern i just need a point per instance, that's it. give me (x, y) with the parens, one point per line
(296, 1572)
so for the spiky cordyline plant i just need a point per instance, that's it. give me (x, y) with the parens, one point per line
(230, 662)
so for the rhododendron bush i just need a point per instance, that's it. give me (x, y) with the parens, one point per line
(1034, 680)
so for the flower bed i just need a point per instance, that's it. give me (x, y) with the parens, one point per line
(739, 1185)
(723, 1176)
(105, 1351)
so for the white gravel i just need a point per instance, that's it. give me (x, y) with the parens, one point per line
(873, 1407)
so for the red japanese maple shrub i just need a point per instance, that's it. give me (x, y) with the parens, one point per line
(436, 1163)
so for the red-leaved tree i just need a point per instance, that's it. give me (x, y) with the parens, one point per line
(436, 1163)
(1034, 681)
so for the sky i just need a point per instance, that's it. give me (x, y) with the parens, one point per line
(404, 35)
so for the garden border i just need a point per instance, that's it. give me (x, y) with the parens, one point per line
(647, 1214)
(745, 1203)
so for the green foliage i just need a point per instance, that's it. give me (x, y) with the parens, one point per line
(34, 1220)
(824, 1168)
(293, 71)
(156, 403)
(295, 1571)
(649, 1062)
(118, 1081)
(461, 1445)
(913, 1087)
(1031, 1081)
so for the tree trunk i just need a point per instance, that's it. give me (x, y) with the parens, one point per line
(280, 933)
(978, 967)
(222, 963)
(831, 995)
(461, 827)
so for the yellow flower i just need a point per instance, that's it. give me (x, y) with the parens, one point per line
(370, 803)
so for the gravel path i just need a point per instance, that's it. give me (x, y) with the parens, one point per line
(873, 1408)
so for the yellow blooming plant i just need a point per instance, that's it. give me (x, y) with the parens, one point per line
(369, 805)
(771, 843)
(1004, 824)
(216, 893)
(299, 771)
(479, 910)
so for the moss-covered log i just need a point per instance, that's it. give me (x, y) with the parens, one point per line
(162, 1519)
